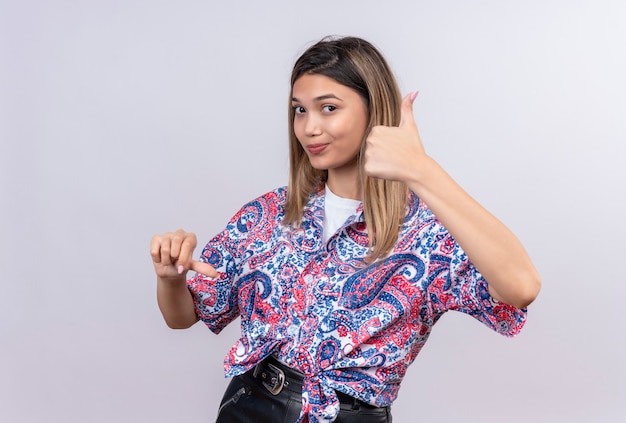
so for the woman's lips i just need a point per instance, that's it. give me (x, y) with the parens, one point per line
(316, 148)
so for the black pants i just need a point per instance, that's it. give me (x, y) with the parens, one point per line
(247, 400)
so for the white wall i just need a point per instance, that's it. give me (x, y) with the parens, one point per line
(121, 119)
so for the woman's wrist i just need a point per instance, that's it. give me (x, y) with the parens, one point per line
(423, 173)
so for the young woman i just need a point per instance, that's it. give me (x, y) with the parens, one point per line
(339, 278)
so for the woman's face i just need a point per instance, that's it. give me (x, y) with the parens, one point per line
(330, 121)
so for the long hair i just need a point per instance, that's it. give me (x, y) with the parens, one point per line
(357, 64)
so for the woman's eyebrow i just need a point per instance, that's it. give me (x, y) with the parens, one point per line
(320, 98)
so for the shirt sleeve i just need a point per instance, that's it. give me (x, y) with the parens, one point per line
(217, 300)
(456, 284)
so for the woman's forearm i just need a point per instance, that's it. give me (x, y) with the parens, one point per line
(489, 244)
(176, 303)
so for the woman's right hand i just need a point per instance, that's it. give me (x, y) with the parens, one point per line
(172, 256)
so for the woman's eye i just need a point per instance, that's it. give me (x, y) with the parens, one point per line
(298, 109)
(329, 108)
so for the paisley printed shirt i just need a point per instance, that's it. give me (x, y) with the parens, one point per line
(347, 326)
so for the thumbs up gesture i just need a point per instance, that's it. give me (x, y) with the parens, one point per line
(393, 152)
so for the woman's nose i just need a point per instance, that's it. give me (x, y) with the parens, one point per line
(312, 126)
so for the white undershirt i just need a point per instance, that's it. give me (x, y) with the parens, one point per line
(336, 211)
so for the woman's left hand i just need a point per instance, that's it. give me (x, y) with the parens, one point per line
(392, 152)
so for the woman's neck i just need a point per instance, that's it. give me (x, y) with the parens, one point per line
(345, 183)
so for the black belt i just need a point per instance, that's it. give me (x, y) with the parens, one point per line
(276, 377)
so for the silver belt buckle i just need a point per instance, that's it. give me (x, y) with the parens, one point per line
(274, 383)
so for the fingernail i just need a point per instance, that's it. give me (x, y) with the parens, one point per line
(415, 93)
(181, 269)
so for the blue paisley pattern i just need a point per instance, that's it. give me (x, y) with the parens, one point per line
(347, 326)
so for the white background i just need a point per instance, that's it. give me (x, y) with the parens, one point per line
(122, 119)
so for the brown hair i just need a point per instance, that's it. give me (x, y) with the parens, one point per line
(357, 64)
